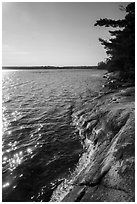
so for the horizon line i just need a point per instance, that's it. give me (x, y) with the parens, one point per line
(49, 65)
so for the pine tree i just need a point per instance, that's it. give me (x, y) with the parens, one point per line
(121, 47)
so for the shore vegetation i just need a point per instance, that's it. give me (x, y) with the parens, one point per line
(120, 48)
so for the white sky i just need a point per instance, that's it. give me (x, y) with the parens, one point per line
(55, 33)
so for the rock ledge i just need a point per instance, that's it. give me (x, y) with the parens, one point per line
(106, 171)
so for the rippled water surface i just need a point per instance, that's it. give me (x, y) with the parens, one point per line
(41, 145)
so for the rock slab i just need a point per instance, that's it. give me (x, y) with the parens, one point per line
(107, 131)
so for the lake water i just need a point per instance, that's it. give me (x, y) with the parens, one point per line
(41, 145)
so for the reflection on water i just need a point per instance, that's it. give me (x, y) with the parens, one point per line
(40, 144)
(6, 185)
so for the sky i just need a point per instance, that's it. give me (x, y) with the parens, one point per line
(55, 33)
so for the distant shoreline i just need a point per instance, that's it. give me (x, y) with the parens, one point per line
(46, 67)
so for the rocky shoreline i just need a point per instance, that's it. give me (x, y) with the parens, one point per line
(106, 171)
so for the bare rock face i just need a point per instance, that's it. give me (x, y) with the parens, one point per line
(108, 134)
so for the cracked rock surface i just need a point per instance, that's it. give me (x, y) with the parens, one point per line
(107, 130)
